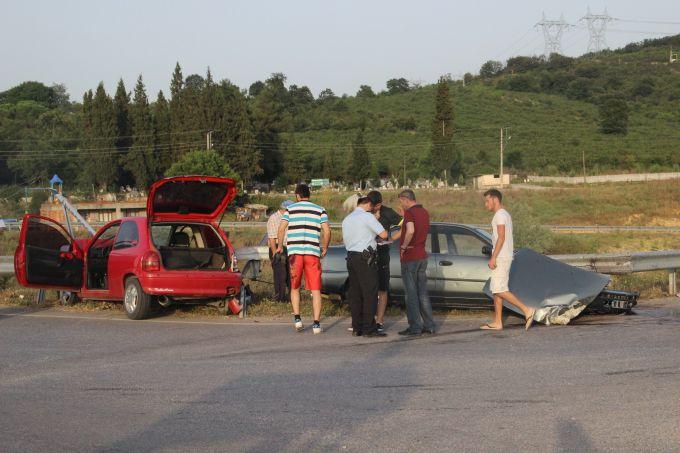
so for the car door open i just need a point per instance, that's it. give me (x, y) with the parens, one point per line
(47, 257)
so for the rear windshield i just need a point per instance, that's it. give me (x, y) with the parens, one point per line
(189, 197)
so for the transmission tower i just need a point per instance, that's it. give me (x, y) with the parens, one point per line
(597, 29)
(552, 34)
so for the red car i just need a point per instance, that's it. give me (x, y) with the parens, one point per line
(177, 252)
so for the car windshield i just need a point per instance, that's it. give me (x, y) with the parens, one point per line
(484, 234)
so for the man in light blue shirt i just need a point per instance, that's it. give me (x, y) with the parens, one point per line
(359, 230)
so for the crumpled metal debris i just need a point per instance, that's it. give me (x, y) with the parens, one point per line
(559, 292)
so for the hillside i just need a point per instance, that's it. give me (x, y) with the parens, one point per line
(550, 108)
(276, 130)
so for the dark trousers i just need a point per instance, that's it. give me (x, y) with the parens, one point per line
(281, 277)
(362, 293)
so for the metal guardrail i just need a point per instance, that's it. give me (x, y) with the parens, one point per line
(607, 263)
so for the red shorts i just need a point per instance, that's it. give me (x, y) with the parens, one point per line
(310, 266)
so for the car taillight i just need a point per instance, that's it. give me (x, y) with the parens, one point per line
(234, 263)
(151, 262)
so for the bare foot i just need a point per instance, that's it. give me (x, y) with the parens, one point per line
(491, 326)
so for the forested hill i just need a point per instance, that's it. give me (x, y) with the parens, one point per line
(619, 109)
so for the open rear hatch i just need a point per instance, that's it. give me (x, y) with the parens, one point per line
(189, 198)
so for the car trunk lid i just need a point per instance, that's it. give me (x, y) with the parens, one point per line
(189, 198)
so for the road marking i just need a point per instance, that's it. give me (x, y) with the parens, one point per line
(156, 321)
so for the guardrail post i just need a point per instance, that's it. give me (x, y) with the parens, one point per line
(672, 281)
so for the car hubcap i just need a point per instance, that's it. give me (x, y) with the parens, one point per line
(130, 298)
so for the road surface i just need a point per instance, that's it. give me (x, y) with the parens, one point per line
(93, 381)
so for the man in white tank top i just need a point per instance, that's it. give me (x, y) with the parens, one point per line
(501, 261)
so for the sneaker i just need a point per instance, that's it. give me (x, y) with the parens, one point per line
(316, 328)
(409, 333)
(298, 325)
(379, 327)
(428, 331)
(375, 333)
(350, 329)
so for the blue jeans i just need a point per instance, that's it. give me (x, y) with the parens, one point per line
(418, 307)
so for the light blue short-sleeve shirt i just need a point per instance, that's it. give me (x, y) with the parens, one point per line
(359, 230)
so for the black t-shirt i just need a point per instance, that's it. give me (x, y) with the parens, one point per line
(388, 219)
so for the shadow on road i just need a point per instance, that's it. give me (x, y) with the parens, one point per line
(317, 409)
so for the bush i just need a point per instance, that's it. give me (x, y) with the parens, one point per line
(528, 231)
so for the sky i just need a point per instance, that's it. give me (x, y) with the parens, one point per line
(319, 43)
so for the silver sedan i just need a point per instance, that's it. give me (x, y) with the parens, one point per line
(456, 273)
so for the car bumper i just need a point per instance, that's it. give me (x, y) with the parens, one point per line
(191, 285)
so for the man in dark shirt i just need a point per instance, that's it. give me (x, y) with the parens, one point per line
(414, 231)
(388, 218)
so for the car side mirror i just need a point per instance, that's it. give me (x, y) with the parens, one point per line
(486, 250)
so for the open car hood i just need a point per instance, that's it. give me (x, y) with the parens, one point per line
(182, 198)
(559, 292)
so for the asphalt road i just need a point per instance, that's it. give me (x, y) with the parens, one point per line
(96, 382)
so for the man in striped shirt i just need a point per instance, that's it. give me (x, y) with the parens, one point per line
(305, 221)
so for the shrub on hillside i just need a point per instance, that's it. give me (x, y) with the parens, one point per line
(528, 231)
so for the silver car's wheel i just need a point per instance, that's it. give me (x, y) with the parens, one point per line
(136, 302)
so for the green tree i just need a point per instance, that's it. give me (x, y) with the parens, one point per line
(141, 160)
(208, 163)
(359, 167)
(613, 112)
(100, 140)
(176, 105)
(443, 156)
(235, 137)
(396, 86)
(121, 109)
(211, 104)
(491, 68)
(270, 119)
(294, 162)
(161, 130)
(365, 91)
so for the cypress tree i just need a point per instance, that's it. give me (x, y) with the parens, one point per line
(237, 144)
(121, 107)
(161, 121)
(294, 162)
(360, 162)
(98, 168)
(443, 156)
(211, 104)
(176, 112)
(141, 160)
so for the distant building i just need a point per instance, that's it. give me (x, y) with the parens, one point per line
(483, 182)
(96, 211)
(320, 182)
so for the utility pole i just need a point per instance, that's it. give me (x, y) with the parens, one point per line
(552, 34)
(501, 172)
(208, 140)
(583, 159)
(597, 29)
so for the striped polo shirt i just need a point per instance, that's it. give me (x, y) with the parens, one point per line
(304, 228)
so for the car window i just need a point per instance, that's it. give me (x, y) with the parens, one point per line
(106, 238)
(44, 234)
(467, 244)
(443, 239)
(128, 236)
(160, 234)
